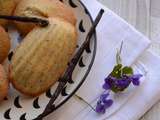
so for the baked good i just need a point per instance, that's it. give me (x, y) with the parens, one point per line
(42, 9)
(6, 8)
(4, 44)
(4, 83)
(42, 57)
(17, 1)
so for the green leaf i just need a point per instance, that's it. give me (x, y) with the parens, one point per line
(127, 71)
(114, 89)
(117, 89)
(117, 70)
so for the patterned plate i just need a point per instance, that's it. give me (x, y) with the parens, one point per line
(19, 107)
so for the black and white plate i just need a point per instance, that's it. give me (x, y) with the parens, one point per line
(19, 107)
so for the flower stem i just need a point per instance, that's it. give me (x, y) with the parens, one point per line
(120, 50)
(81, 99)
(118, 55)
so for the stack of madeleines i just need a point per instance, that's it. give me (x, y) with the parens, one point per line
(42, 57)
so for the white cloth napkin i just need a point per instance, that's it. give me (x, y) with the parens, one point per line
(110, 32)
(145, 96)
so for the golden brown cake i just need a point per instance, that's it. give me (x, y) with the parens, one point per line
(17, 1)
(6, 8)
(44, 9)
(4, 44)
(4, 83)
(42, 57)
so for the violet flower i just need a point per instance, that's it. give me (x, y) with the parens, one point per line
(103, 103)
(117, 81)
(136, 79)
(116, 85)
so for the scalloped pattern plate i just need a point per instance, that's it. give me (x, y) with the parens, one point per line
(19, 107)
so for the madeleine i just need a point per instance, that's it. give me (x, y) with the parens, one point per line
(42, 57)
(4, 44)
(17, 1)
(4, 83)
(42, 9)
(6, 8)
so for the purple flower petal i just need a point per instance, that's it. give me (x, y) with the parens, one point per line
(100, 108)
(103, 97)
(103, 103)
(136, 82)
(108, 103)
(106, 86)
(107, 78)
(136, 79)
(108, 82)
(136, 76)
(123, 83)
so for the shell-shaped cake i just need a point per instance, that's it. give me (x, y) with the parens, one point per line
(4, 44)
(42, 57)
(6, 8)
(4, 83)
(42, 9)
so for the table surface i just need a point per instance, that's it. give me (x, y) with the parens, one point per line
(145, 16)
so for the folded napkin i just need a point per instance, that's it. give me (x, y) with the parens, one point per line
(111, 31)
